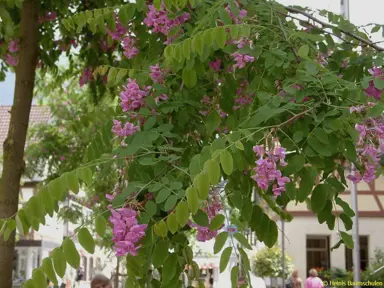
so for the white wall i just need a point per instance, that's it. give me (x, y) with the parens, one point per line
(300, 227)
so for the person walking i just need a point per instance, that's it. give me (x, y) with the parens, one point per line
(100, 281)
(295, 281)
(313, 281)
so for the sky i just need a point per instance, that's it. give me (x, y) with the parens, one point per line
(361, 12)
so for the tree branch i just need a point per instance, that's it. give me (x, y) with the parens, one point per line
(327, 25)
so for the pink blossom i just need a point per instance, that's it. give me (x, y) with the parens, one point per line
(242, 13)
(266, 169)
(130, 51)
(11, 60)
(13, 46)
(372, 91)
(159, 21)
(216, 65)
(132, 98)
(62, 158)
(126, 231)
(156, 73)
(128, 129)
(50, 16)
(162, 97)
(119, 31)
(242, 60)
(86, 76)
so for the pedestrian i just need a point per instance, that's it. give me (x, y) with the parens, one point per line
(313, 281)
(100, 281)
(295, 281)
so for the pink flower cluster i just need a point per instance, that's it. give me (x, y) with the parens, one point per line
(243, 98)
(125, 131)
(216, 65)
(13, 46)
(159, 21)
(369, 147)
(11, 58)
(132, 98)
(156, 73)
(116, 191)
(372, 91)
(127, 232)
(130, 50)
(236, 19)
(209, 104)
(86, 76)
(266, 170)
(241, 60)
(119, 31)
(212, 208)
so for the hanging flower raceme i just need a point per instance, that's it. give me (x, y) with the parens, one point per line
(370, 146)
(127, 232)
(241, 13)
(132, 98)
(119, 31)
(372, 91)
(216, 65)
(159, 21)
(13, 46)
(243, 98)
(11, 60)
(242, 60)
(86, 76)
(156, 73)
(125, 131)
(212, 207)
(130, 51)
(266, 170)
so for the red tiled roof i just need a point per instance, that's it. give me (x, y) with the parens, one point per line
(38, 115)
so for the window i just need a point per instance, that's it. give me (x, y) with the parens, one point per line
(318, 254)
(364, 257)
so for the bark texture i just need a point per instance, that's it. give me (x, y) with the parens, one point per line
(13, 147)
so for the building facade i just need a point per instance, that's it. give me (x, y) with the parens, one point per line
(309, 243)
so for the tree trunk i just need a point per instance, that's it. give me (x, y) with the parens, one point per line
(13, 147)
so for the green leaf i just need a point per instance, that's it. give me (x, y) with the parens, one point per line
(321, 136)
(160, 253)
(120, 75)
(59, 262)
(239, 145)
(149, 123)
(56, 188)
(71, 254)
(308, 177)
(220, 242)
(38, 278)
(213, 121)
(337, 245)
(29, 284)
(303, 51)
(245, 260)
(161, 229)
(376, 111)
(182, 213)
(319, 197)
(112, 75)
(348, 223)
(150, 208)
(224, 258)
(345, 206)
(379, 83)
(192, 199)
(212, 168)
(47, 267)
(201, 218)
(224, 16)
(217, 222)
(220, 37)
(203, 185)
(197, 44)
(242, 240)
(189, 78)
(19, 225)
(172, 223)
(234, 275)
(169, 269)
(271, 235)
(347, 239)
(73, 182)
(86, 240)
(226, 161)
(85, 174)
(170, 203)
(162, 195)
(295, 164)
(319, 147)
(350, 151)
(100, 225)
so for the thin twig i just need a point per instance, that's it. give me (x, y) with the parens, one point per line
(327, 25)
